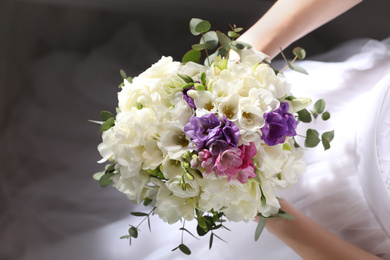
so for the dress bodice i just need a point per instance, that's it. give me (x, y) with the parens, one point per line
(373, 151)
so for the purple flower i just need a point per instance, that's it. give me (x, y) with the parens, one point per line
(188, 99)
(278, 125)
(210, 132)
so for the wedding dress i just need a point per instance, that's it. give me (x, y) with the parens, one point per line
(64, 214)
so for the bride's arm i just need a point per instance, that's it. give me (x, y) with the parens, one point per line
(288, 20)
(310, 240)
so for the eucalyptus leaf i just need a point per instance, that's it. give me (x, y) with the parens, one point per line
(193, 24)
(108, 124)
(133, 232)
(260, 228)
(199, 46)
(210, 39)
(304, 115)
(104, 115)
(299, 52)
(325, 116)
(186, 230)
(211, 240)
(97, 176)
(233, 34)
(297, 68)
(241, 45)
(224, 40)
(202, 27)
(312, 138)
(319, 106)
(184, 249)
(139, 214)
(192, 55)
(326, 138)
(105, 180)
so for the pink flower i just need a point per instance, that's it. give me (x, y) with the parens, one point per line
(236, 162)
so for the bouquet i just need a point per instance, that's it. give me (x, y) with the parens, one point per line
(208, 142)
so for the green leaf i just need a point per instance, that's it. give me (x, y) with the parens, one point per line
(202, 27)
(304, 115)
(325, 116)
(326, 138)
(199, 46)
(233, 34)
(110, 167)
(203, 78)
(189, 233)
(193, 24)
(297, 68)
(186, 78)
(240, 45)
(210, 39)
(97, 176)
(125, 236)
(238, 29)
(105, 180)
(312, 138)
(123, 74)
(299, 52)
(184, 249)
(211, 240)
(201, 221)
(221, 238)
(260, 227)
(104, 115)
(108, 124)
(133, 232)
(224, 40)
(285, 215)
(319, 106)
(139, 214)
(192, 55)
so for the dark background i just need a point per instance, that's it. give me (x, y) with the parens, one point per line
(34, 154)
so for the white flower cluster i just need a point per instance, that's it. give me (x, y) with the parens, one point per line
(149, 145)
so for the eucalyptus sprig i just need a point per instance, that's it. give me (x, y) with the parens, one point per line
(299, 54)
(209, 41)
(104, 177)
(312, 138)
(133, 231)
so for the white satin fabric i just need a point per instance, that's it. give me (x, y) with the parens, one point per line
(65, 215)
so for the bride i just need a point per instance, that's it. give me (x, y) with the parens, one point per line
(341, 203)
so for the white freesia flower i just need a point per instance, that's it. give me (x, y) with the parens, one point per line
(171, 168)
(174, 140)
(171, 208)
(191, 190)
(204, 101)
(133, 187)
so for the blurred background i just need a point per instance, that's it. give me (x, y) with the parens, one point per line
(59, 67)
